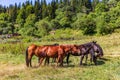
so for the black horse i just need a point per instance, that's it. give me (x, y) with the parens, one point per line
(88, 48)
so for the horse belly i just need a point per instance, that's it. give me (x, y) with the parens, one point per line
(41, 54)
(52, 54)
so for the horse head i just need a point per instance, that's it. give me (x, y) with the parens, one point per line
(97, 48)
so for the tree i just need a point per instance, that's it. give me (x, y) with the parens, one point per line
(42, 28)
(29, 10)
(21, 17)
(37, 9)
(13, 13)
(4, 17)
(85, 23)
(29, 27)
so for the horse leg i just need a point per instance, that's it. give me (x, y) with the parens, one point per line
(67, 59)
(58, 59)
(86, 58)
(46, 60)
(38, 59)
(82, 56)
(29, 60)
(61, 61)
(95, 60)
(41, 60)
(54, 59)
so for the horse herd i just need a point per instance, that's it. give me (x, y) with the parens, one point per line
(59, 52)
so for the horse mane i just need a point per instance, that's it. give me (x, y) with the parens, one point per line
(55, 44)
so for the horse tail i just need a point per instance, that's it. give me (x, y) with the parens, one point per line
(26, 58)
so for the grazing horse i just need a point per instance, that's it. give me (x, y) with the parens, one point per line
(88, 48)
(83, 51)
(96, 49)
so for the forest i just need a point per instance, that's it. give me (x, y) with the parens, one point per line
(39, 18)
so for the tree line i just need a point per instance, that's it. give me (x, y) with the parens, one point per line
(38, 18)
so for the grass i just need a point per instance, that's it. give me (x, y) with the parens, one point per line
(12, 62)
(15, 69)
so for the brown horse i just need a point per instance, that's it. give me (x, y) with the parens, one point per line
(57, 51)
(66, 49)
(39, 51)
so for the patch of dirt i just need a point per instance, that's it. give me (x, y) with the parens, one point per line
(6, 69)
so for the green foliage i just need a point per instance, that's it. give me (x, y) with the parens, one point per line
(40, 18)
(55, 24)
(29, 10)
(103, 27)
(6, 27)
(64, 34)
(101, 7)
(21, 17)
(118, 23)
(29, 28)
(85, 23)
(42, 28)
(4, 17)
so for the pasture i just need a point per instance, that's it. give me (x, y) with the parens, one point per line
(12, 62)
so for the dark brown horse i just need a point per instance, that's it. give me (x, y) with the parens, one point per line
(83, 51)
(88, 48)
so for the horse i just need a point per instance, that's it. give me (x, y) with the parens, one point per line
(57, 51)
(47, 61)
(43, 52)
(83, 51)
(88, 48)
(39, 51)
(66, 49)
(96, 49)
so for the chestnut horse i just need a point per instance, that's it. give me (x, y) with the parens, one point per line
(39, 51)
(67, 49)
(57, 51)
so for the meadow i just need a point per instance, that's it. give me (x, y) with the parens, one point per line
(12, 62)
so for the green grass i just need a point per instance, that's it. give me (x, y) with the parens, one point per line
(12, 62)
(14, 69)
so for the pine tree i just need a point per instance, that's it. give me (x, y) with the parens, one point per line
(13, 12)
(37, 9)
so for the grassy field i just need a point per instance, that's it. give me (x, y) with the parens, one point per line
(12, 62)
